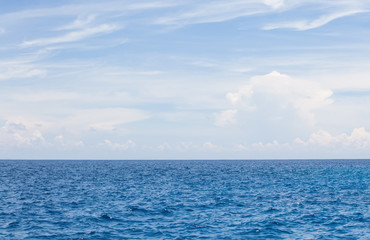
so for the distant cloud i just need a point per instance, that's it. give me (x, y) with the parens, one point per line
(210, 146)
(321, 141)
(61, 142)
(129, 144)
(275, 145)
(358, 139)
(164, 147)
(226, 117)
(73, 36)
(20, 134)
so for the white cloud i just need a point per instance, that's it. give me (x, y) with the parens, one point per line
(306, 24)
(80, 22)
(73, 36)
(72, 124)
(320, 144)
(20, 134)
(219, 11)
(274, 3)
(173, 147)
(358, 139)
(210, 146)
(164, 147)
(274, 145)
(18, 68)
(187, 147)
(108, 7)
(226, 117)
(278, 93)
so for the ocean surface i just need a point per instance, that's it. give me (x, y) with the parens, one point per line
(305, 199)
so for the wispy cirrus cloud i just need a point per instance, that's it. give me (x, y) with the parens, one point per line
(80, 22)
(73, 36)
(20, 68)
(91, 8)
(219, 11)
(311, 24)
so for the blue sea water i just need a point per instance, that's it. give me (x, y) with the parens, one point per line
(310, 199)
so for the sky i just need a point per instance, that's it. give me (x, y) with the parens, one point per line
(250, 79)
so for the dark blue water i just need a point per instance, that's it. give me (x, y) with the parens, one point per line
(185, 199)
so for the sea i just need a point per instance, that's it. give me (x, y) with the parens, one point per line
(187, 199)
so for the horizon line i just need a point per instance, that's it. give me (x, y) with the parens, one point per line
(204, 159)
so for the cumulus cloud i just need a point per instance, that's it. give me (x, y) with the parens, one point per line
(320, 144)
(74, 129)
(177, 147)
(20, 134)
(358, 139)
(278, 94)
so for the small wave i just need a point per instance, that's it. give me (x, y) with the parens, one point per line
(137, 210)
(12, 225)
(106, 217)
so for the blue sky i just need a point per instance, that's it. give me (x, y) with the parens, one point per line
(184, 79)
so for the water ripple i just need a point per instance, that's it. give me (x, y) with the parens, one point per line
(185, 199)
